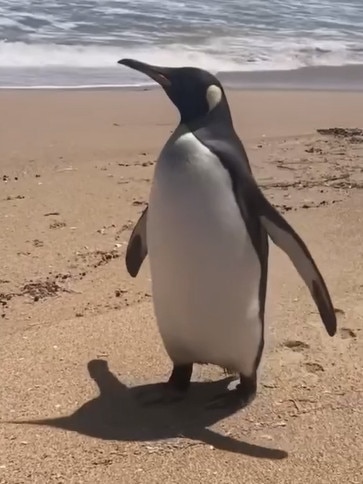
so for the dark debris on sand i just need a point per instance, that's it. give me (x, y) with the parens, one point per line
(354, 135)
(41, 289)
(35, 289)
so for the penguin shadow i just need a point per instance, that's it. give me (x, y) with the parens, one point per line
(117, 414)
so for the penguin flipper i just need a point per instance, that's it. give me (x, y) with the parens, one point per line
(137, 247)
(285, 237)
(252, 202)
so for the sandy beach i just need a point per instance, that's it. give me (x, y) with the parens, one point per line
(78, 334)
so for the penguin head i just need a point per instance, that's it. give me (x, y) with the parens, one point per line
(195, 92)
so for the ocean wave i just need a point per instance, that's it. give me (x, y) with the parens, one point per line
(19, 54)
(72, 87)
(79, 21)
(226, 54)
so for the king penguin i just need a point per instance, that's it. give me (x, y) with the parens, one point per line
(206, 230)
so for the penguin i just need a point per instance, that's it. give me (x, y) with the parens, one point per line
(206, 231)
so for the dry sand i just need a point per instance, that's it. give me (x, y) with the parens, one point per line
(78, 335)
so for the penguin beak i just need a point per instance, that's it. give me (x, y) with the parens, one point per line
(158, 74)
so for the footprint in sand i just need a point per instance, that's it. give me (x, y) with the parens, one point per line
(346, 333)
(57, 225)
(297, 346)
(314, 367)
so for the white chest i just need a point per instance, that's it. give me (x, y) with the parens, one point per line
(205, 272)
(192, 191)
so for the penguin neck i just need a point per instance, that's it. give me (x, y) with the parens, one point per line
(219, 116)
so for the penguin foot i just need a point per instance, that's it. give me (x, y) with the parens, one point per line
(236, 399)
(174, 390)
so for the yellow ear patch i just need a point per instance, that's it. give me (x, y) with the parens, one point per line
(214, 96)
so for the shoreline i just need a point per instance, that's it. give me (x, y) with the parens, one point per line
(315, 78)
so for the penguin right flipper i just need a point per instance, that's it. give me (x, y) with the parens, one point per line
(285, 237)
(137, 247)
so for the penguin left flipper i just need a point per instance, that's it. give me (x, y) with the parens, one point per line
(137, 247)
(252, 203)
(284, 236)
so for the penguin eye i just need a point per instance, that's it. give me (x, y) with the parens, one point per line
(214, 96)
